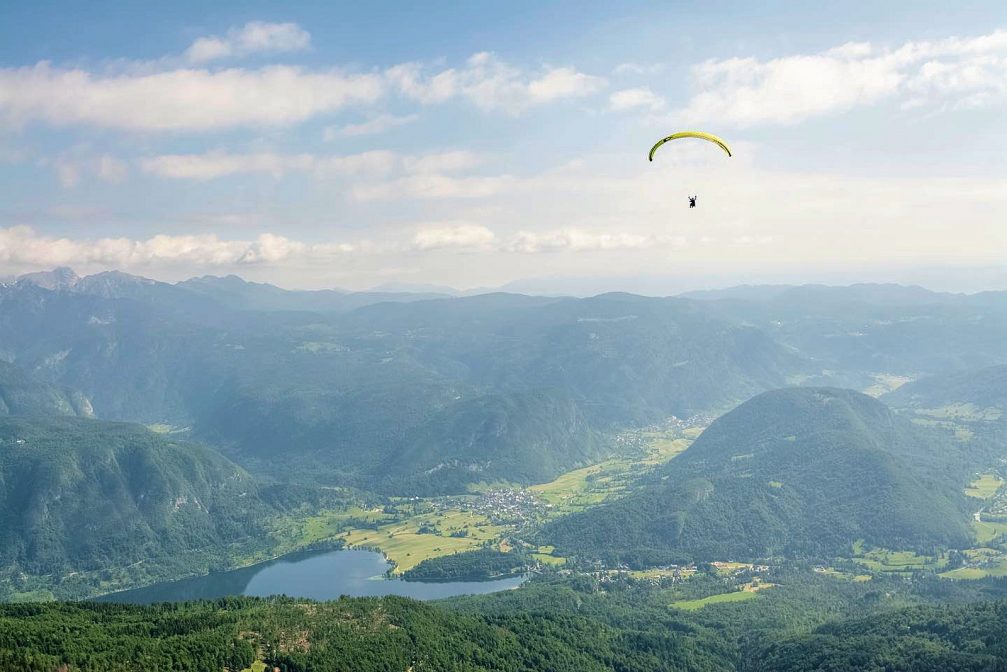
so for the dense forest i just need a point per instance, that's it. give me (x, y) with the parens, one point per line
(803, 471)
(485, 563)
(550, 625)
(94, 504)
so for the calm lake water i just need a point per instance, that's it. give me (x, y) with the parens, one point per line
(323, 575)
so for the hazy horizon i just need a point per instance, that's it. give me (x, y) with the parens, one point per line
(949, 280)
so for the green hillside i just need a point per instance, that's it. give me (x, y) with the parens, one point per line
(981, 388)
(970, 638)
(82, 496)
(519, 437)
(868, 329)
(969, 405)
(793, 472)
(21, 394)
(361, 635)
(556, 628)
(390, 395)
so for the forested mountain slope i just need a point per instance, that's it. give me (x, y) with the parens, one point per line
(861, 330)
(22, 394)
(984, 388)
(349, 634)
(80, 495)
(390, 395)
(970, 638)
(794, 471)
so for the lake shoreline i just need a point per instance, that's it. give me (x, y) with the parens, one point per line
(309, 574)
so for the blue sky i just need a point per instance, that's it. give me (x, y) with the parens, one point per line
(477, 144)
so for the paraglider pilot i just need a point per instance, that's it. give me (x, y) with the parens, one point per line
(692, 201)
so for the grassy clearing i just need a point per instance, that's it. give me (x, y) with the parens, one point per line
(257, 666)
(845, 576)
(582, 488)
(40, 595)
(406, 547)
(663, 448)
(693, 605)
(885, 383)
(294, 532)
(983, 562)
(966, 412)
(988, 531)
(984, 486)
(884, 560)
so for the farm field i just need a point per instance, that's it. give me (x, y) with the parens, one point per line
(885, 560)
(982, 562)
(409, 531)
(693, 605)
(845, 576)
(987, 531)
(409, 542)
(885, 383)
(984, 486)
(962, 412)
(589, 486)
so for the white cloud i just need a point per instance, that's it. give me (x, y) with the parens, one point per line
(22, 246)
(434, 186)
(582, 218)
(111, 169)
(628, 99)
(472, 237)
(491, 84)
(179, 100)
(214, 165)
(200, 100)
(443, 162)
(253, 37)
(461, 236)
(378, 124)
(638, 69)
(74, 165)
(68, 172)
(955, 72)
(579, 240)
(373, 164)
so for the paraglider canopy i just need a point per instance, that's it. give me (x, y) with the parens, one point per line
(692, 134)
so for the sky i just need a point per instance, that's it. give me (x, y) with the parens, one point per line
(487, 144)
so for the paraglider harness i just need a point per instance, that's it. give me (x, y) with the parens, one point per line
(692, 201)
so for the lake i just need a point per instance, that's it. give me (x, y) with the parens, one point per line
(317, 575)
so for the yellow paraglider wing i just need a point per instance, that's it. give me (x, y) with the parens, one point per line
(692, 134)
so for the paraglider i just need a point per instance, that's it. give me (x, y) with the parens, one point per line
(709, 137)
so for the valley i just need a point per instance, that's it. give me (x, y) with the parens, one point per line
(652, 479)
(409, 531)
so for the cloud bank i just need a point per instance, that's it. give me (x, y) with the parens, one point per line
(953, 72)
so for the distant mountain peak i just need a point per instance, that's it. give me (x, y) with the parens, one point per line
(59, 278)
